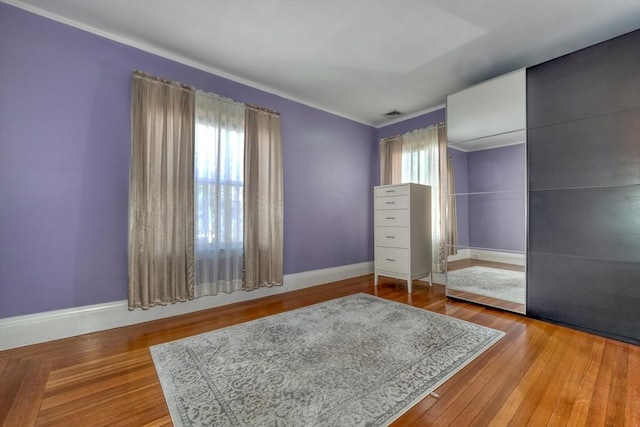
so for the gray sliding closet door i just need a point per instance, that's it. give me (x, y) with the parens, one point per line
(583, 120)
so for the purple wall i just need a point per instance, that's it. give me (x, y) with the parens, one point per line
(498, 220)
(460, 177)
(498, 169)
(64, 167)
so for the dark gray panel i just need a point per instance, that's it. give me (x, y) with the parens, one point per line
(602, 296)
(596, 80)
(599, 223)
(598, 151)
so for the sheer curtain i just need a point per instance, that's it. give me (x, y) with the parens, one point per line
(442, 206)
(263, 202)
(161, 257)
(452, 213)
(421, 164)
(420, 157)
(219, 194)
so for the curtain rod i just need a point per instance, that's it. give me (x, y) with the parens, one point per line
(441, 124)
(149, 76)
(219, 97)
(263, 109)
(245, 104)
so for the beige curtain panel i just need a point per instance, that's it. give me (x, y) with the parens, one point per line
(161, 231)
(263, 201)
(391, 160)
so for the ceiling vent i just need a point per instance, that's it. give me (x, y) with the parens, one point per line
(394, 113)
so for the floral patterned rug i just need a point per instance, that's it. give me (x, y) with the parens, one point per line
(356, 360)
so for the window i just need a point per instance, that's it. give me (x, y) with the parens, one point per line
(219, 185)
(192, 232)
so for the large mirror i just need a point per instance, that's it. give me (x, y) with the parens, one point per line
(486, 196)
(487, 203)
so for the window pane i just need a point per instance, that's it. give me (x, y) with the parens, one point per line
(219, 181)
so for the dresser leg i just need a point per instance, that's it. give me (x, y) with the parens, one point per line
(375, 280)
(409, 284)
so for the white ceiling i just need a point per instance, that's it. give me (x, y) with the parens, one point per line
(356, 58)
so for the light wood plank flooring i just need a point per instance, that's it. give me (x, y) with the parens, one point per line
(539, 374)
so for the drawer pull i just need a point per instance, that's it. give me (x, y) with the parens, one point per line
(389, 259)
(390, 191)
(390, 237)
(390, 203)
(389, 217)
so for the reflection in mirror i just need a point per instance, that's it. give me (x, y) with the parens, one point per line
(486, 225)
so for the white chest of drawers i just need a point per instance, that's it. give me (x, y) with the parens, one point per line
(402, 232)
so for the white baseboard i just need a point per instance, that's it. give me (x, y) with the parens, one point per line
(30, 329)
(493, 256)
(462, 254)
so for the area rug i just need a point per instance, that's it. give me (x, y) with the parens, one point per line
(506, 285)
(352, 361)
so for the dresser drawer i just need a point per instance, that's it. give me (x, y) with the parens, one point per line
(392, 202)
(395, 237)
(392, 218)
(392, 260)
(394, 190)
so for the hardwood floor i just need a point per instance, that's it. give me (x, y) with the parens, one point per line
(538, 374)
